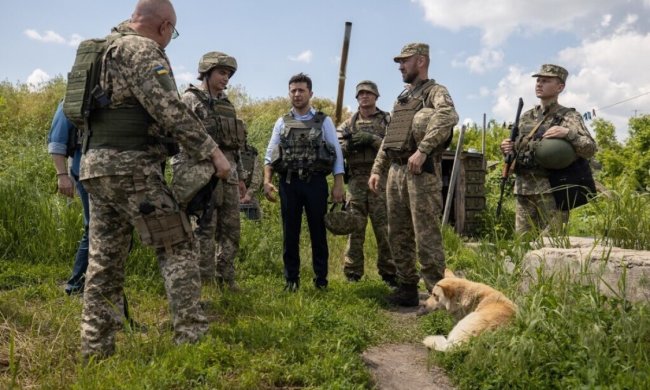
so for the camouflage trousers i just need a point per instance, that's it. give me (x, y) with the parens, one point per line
(538, 212)
(218, 236)
(367, 203)
(116, 203)
(414, 205)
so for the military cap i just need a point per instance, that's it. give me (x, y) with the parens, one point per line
(550, 70)
(367, 85)
(411, 49)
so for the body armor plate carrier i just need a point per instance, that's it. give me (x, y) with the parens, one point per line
(222, 124)
(302, 148)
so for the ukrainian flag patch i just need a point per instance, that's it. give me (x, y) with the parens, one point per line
(160, 70)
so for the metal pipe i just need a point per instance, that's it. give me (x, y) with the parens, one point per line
(454, 174)
(344, 63)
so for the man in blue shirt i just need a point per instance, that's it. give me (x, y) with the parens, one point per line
(303, 167)
(62, 143)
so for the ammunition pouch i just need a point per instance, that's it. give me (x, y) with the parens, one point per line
(163, 231)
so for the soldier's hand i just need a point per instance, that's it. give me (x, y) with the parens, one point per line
(373, 183)
(269, 190)
(362, 138)
(221, 164)
(506, 146)
(416, 161)
(247, 198)
(65, 185)
(556, 132)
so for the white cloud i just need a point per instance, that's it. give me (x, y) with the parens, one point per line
(36, 79)
(75, 40)
(498, 20)
(603, 72)
(304, 56)
(53, 37)
(487, 59)
(607, 19)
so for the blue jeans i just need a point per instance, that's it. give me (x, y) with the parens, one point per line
(76, 281)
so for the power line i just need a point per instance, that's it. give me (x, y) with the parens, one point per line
(622, 101)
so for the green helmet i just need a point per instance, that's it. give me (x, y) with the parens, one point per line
(554, 153)
(189, 177)
(213, 59)
(344, 222)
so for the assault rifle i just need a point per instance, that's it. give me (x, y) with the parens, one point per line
(510, 157)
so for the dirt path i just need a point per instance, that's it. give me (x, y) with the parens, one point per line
(404, 366)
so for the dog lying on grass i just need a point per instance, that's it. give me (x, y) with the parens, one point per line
(475, 306)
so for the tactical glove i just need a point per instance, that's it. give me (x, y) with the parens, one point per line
(362, 138)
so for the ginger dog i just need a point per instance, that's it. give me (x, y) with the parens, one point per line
(475, 306)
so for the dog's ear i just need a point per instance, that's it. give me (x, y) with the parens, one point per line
(449, 273)
(447, 288)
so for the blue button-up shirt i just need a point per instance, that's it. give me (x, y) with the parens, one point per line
(57, 139)
(329, 134)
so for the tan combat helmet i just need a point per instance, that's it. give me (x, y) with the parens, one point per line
(213, 59)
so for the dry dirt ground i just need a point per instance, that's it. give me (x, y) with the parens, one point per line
(404, 366)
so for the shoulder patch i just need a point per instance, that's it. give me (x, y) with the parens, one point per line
(160, 70)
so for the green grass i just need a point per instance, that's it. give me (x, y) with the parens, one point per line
(564, 335)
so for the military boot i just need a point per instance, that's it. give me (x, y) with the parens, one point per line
(405, 295)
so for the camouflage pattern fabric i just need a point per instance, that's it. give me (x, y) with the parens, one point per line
(137, 71)
(365, 202)
(218, 236)
(530, 184)
(414, 202)
(114, 204)
(538, 211)
(255, 178)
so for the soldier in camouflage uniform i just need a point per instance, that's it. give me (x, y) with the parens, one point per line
(360, 138)
(535, 205)
(421, 125)
(253, 178)
(218, 232)
(122, 173)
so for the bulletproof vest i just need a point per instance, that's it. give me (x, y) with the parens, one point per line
(248, 157)
(302, 148)
(526, 142)
(361, 159)
(222, 123)
(399, 140)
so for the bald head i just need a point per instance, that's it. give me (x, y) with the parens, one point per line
(154, 19)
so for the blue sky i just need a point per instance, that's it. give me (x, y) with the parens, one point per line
(484, 51)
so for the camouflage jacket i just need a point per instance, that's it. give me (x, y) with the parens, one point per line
(442, 121)
(136, 71)
(529, 183)
(201, 110)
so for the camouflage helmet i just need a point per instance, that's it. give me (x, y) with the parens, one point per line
(344, 222)
(213, 59)
(189, 177)
(367, 85)
(554, 153)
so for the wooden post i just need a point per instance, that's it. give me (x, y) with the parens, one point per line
(344, 63)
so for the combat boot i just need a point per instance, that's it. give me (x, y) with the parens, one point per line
(405, 295)
(390, 280)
